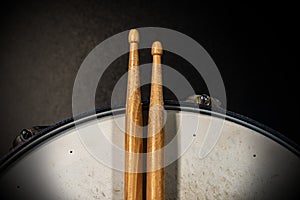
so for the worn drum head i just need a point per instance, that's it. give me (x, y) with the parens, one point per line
(248, 161)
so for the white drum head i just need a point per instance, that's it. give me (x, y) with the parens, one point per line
(246, 163)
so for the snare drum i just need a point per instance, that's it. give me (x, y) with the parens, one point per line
(248, 161)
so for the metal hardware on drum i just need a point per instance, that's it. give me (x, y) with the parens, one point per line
(26, 134)
(204, 99)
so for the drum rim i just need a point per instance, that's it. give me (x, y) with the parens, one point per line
(58, 128)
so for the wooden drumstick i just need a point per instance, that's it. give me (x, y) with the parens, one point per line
(155, 141)
(133, 181)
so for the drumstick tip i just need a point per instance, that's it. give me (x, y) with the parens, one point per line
(157, 48)
(133, 36)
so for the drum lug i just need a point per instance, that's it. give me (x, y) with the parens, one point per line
(204, 99)
(26, 134)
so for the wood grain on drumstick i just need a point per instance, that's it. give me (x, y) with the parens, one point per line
(155, 188)
(133, 181)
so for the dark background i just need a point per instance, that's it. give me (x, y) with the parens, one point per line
(43, 43)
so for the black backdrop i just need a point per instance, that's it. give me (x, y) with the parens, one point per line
(42, 44)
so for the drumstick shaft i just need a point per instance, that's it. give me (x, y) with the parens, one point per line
(155, 141)
(133, 181)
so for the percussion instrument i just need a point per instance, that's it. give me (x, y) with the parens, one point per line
(70, 161)
(249, 161)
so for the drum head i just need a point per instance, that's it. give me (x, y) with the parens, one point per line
(249, 161)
